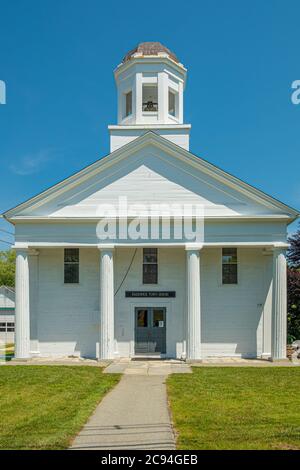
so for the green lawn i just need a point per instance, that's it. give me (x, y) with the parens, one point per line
(236, 408)
(43, 407)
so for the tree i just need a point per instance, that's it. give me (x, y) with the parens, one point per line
(293, 284)
(7, 268)
(293, 254)
(293, 308)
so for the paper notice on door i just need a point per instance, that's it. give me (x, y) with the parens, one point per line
(161, 324)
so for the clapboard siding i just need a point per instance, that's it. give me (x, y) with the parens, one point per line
(232, 314)
(171, 262)
(235, 319)
(7, 316)
(68, 315)
(118, 138)
(7, 312)
(150, 176)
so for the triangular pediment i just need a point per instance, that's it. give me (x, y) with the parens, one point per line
(151, 170)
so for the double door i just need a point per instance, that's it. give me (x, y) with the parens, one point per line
(150, 330)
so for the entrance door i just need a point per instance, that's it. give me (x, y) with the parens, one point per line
(150, 330)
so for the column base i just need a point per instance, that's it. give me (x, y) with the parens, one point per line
(265, 356)
(283, 360)
(20, 359)
(35, 353)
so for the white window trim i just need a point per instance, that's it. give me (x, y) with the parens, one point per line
(157, 262)
(125, 93)
(71, 284)
(222, 284)
(5, 326)
(148, 83)
(176, 104)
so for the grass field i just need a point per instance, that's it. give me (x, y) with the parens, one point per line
(43, 407)
(236, 408)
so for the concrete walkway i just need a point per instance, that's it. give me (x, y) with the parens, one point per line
(148, 367)
(134, 415)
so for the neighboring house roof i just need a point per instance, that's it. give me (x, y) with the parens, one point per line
(7, 298)
(149, 49)
(9, 288)
(152, 139)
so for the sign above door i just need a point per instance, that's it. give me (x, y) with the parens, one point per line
(147, 294)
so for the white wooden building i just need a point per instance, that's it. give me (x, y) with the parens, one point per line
(7, 314)
(163, 293)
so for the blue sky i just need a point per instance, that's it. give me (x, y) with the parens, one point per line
(57, 59)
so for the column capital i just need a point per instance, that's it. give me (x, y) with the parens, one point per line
(193, 246)
(20, 247)
(106, 247)
(24, 247)
(33, 252)
(280, 246)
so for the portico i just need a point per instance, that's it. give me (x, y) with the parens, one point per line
(112, 320)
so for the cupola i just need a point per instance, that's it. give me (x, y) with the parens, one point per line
(150, 83)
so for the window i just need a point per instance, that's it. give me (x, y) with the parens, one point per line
(128, 103)
(7, 327)
(229, 266)
(150, 98)
(71, 266)
(10, 326)
(172, 101)
(158, 318)
(142, 318)
(150, 266)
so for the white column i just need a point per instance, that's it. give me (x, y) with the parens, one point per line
(106, 347)
(163, 97)
(180, 102)
(138, 97)
(22, 317)
(33, 300)
(193, 327)
(279, 305)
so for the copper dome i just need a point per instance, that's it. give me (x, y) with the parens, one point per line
(150, 48)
